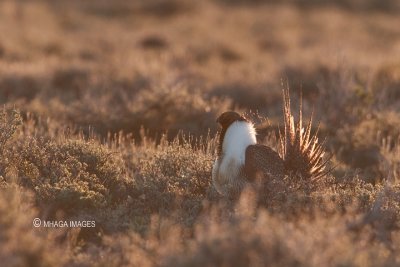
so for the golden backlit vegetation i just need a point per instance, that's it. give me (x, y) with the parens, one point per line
(109, 112)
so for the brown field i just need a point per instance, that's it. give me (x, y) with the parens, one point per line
(109, 116)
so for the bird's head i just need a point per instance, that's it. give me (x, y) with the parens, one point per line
(241, 133)
(229, 117)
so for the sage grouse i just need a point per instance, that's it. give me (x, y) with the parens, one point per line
(241, 161)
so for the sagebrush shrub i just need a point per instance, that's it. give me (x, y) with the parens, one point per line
(173, 176)
(87, 84)
(69, 175)
(20, 243)
(9, 124)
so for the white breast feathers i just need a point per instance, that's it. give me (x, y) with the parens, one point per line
(237, 138)
(226, 169)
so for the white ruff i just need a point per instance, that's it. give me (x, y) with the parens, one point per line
(238, 137)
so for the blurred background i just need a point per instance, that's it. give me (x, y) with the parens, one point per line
(98, 83)
(174, 65)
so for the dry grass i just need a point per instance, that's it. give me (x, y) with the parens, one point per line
(109, 115)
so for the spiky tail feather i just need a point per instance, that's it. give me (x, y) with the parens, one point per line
(300, 150)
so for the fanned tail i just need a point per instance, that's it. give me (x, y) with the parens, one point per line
(301, 151)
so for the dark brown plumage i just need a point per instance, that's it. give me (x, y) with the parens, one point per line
(262, 162)
(225, 120)
(241, 161)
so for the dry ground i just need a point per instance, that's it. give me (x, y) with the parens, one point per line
(109, 115)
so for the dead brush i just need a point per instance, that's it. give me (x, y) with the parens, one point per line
(9, 123)
(390, 161)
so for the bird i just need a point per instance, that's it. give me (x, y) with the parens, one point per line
(242, 162)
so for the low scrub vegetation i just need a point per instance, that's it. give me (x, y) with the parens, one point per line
(109, 116)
